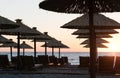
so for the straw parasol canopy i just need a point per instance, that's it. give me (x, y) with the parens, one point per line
(53, 43)
(25, 46)
(48, 37)
(80, 6)
(38, 36)
(22, 30)
(97, 36)
(56, 44)
(98, 45)
(4, 40)
(86, 32)
(41, 36)
(100, 22)
(5, 23)
(98, 40)
(41, 40)
(10, 44)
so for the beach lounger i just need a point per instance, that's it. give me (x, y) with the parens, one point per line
(25, 63)
(36, 60)
(61, 62)
(84, 61)
(117, 65)
(105, 64)
(4, 62)
(65, 60)
(44, 60)
(15, 60)
(28, 63)
(53, 61)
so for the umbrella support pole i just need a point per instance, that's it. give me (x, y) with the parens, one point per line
(93, 53)
(45, 48)
(23, 52)
(18, 45)
(18, 51)
(59, 53)
(52, 51)
(34, 48)
(11, 52)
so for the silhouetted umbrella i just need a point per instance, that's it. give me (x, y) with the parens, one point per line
(4, 40)
(46, 43)
(86, 32)
(98, 40)
(55, 44)
(22, 30)
(25, 46)
(49, 38)
(10, 44)
(97, 36)
(7, 24)
(41, 36)
(98, 45)
(100, 22)
(84, 6)
(80, 6)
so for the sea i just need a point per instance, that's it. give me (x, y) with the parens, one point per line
(73, 57)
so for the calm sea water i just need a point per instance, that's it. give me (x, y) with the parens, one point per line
(73, 57)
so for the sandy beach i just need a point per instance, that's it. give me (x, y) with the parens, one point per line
(53, 72)
(50, 76)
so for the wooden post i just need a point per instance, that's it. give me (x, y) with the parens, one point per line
(45, 48)
(18, 51)
(34, 47)
(23, 51)
(52, 51)
(59, 53)
(93, 53)
(11, 52)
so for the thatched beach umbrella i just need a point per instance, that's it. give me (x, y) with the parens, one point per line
(98, 41)
(80, 6)
(98, 45)
(47, 42)
(4, 40)
(10, 44)
(49, 38)
(53, 43)
(97, 36)
(5, 23)
(41, 36)
(22, 30)
(25, 46)
(100, 22)
(84, 6)
(86, 32)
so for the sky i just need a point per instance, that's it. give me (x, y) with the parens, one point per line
(48, 21)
